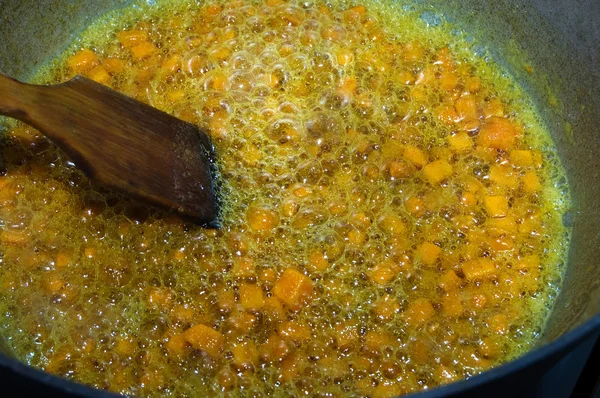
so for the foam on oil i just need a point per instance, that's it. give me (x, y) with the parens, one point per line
(289, 141)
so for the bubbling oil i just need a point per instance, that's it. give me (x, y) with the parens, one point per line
(350, 146)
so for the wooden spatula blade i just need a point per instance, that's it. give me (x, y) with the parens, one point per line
(127, 145)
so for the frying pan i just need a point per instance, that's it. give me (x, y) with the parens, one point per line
(559, 39)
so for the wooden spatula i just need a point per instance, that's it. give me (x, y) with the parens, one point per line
(124, 144)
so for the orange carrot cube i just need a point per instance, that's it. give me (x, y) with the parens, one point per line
(480, 268)
(205, 338)
(437, 171)
(132, 38)
(496, 206)
(83, 61)
(429, 253)
(294, 289)
(415, 155)
(460, 142)
(531, 182)
(497, 133)
(251, 296)
(419, 312)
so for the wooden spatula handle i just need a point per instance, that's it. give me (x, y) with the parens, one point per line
(12, 96)
(120, 142)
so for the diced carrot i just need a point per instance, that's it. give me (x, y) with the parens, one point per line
(98, 74)
(215, 9)
(175, 96)
(63, 259)
(437, 171)
(354, 15)
(344, 57)
(413, 51)
(53, 282)
(173, 63)
(418, 312)
(132, 38)
(261, 218)
(389, 389)
(449, 281)
(474, 84)
(428, 253)
(386, 307)
(295, 331)
(332, 33)
(271, 80)
(376, 341)
(290, 367)
(143, 50)
(126, 346)
(226, 301)
(245, 354)
(205, 338)
(466, 107)
(502, 226)
(251, 296)
(12, 237)
(445, 374)
(531, 182)
(221, 53)
(294, 289)
(274, 349)
(400, 169)
(384, 273)
(480, 268)
(177, 344)
(452, 306)
(113, 65)
(415, 155)
(348, 85)
(447, 114)
(448, 81)
(468, 199)
(460, 142)
(361, 10)
(528, 262)
(159, 297)
(356, 237)
(392, 224)
(318, 260)
(501, 243)
(274, 308)
(90, 252)
(242, 321)
(496, 206)
(490, 347)
(301, 190)
(337, 207)
(179, 255)
(498, 323)
(346, 334)
(494, 108)
(497, 133)
(182, 313)
(83, 61)
(414, 205)
(521, 158)
(503, 176)
(479, 301)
